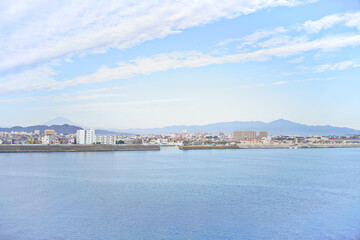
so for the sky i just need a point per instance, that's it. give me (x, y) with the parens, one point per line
(142, 64)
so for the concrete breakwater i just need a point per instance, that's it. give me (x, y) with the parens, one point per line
(268, 146)
(193, 147)
(75, 148)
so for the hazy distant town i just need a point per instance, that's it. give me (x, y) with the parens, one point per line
(184, 138)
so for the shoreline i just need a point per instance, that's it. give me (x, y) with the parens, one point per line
(4, 148)
(13, 148)
(268, 146)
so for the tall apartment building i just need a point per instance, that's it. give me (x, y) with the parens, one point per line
(85, 136)
(263, 134)
(244, 135)
(106, 139)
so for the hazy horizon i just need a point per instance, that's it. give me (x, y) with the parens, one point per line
(62, 120)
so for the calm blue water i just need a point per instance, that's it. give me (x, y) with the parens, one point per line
(172, 194)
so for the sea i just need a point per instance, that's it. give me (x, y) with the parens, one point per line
(174, 194)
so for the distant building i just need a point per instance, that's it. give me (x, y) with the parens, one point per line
(85, 136)
(71, 140)
(37, 132)
(184, 133)
(46, 139)
(263, 134)
(49, 132)
(244, 135)
(55, 141)
(106, 139)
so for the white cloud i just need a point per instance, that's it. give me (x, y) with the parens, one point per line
(323, 23)
(175, 60)
(264, 84)
(297, 60)
(254, 37)
(280, 83)
(39, 78)
(110, 106)
(316, 79)
(69, 98)
(353, 20)
(350, 19)
(18, 100)
(164, 62)
(97, 90)
(336, 66)
(37, 31)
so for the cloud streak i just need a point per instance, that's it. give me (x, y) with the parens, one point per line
(336, 66)
(110, 106)
(68, 98)
(175, 60)
(45, 30)
(350, 19)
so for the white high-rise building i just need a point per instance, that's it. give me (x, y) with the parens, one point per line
(85, 136)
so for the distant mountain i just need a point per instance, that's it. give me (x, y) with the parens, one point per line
(64, 129)
(60, 121)
(278, 127)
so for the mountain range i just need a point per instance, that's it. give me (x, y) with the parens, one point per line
(278, 127)
(60, 121)
(64, 129)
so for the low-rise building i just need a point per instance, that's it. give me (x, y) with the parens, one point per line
(105, 139)
(46, 139)
(49, 132)
(55, 141)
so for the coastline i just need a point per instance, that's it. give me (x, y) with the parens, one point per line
(11, 148)
(268, 146)
(4, 148)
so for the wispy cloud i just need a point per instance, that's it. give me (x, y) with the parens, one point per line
(350, 19)
(174, 60)
(39, 78)
(44, 30)
(253, 85)
(336, 66)
(280, 83)
(109, 106)
(316, 79)
(18, 100)
(297, 60)
(97, 90)
(254, 37)
(69, 98)
(263, 84)
(163, 62)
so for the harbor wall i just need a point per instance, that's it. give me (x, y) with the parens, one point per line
(268, 146)
(75, 147)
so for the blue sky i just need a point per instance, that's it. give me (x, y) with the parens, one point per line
(130, 64)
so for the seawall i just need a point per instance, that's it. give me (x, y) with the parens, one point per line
(268, 146)
(75, 148)
(200, 147)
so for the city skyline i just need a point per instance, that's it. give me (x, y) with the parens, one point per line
(152, 64)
